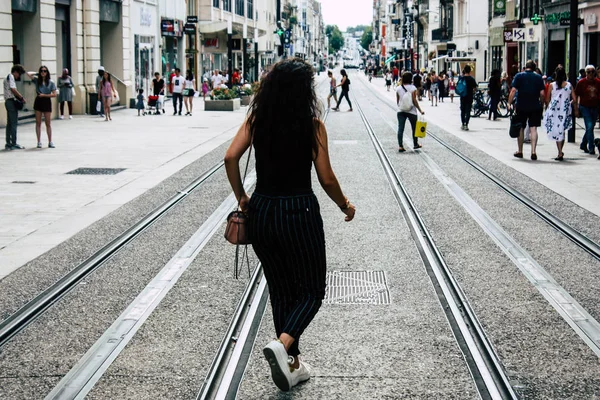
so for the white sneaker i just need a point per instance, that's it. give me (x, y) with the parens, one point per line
(70, 117)
(301, 374)
(278, 361)
(61, 117)
(51, 145)
(39, 146)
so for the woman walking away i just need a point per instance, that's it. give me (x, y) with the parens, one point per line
(558, 118)
(495, 92)
(435, 88)
(45, 89)
(65, 94)
(107, 90)
(188, 93)
(285, 224)
(388, 80)
(332, 89)
(408, 108)
(345, 84)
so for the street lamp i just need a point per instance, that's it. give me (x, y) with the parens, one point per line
(230, 50)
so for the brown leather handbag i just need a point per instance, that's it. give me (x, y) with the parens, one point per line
(237, 228)
(236, 231)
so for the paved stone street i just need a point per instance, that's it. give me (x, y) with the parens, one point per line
(151, 319)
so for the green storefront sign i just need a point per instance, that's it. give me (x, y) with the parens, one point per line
(555, 18)
(499, 7)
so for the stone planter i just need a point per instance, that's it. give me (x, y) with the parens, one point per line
(246, 100)
(222, 105)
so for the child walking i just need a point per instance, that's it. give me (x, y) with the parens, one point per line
(204, 88)
(140, 102)
(451, 89)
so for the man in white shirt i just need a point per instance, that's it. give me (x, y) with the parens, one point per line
(11, 99)
(178, 85)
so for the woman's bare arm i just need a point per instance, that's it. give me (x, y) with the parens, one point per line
(241, 142)
(327, 177)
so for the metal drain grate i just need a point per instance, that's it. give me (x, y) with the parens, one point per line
(356, 287)
(24, 182)
(96, 171)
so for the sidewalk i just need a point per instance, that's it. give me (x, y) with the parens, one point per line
(571, 178)
(41, 205)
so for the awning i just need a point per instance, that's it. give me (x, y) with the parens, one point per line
(438, 58)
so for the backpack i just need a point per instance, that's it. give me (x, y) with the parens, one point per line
(461, 87)
(406, 102)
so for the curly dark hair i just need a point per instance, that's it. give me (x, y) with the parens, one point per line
(283, 112)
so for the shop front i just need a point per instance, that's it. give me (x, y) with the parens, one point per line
(144, 26)
(172, 45)
(557, 37)
(591, 35)
(533, 36)
(497, 48)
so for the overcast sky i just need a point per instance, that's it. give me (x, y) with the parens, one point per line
(345, 13)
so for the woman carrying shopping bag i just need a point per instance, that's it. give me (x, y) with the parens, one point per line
(406, 98)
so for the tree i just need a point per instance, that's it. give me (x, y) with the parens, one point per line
(336, 39)
(367, 38)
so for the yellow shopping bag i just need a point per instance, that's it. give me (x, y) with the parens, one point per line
(421, 129)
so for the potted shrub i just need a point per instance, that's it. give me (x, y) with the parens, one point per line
(246, 94)
(222, 99)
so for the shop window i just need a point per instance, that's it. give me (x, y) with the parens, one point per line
(251, 9)
(239, 7)
(24, 5)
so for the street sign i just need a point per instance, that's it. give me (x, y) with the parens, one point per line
(518, 35)
(567, 21)
(189, 28)
(192, 19)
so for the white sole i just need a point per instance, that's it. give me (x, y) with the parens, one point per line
(279, 377)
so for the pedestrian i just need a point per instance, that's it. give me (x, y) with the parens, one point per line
(345, 84)
(405, 112)
(528, 88)
(581, 74)
(99, 102)
(171, 76)
(45, 89)
(204, 88)
(65, 93)
(435, 88)
(236, 76)
(388, 80)
(505, 84)
(465, 88)
(395, 74)
(285, 224)
(451, 89)
(140, 102)
(332, 89)
(443, 86)
(495, 91)
(158, 89)
(13, 102)
(189, 92)
(107, 91)
(558, 118)
(587, 92)
(427, 85)
(178, 86)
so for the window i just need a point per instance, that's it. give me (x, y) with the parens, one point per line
(250, 9)
(239, 7)
(216, 3)
(227, 5)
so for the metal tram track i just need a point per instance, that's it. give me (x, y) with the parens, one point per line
(484, 365)
(564, 228)
(20, 319)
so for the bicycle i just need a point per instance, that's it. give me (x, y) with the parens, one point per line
(482, 101)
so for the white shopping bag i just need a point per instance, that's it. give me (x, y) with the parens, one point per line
(98, 106)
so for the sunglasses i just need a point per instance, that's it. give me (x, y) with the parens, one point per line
(589, 72)
(44, 70)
